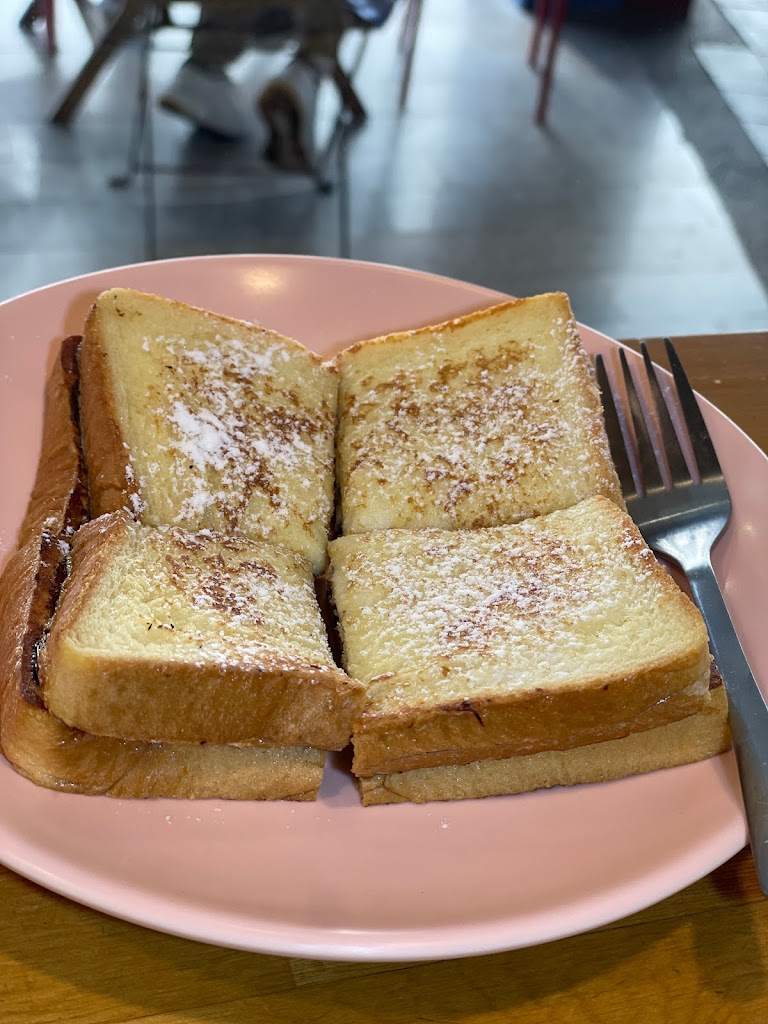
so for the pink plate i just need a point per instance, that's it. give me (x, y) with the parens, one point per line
(331, 879)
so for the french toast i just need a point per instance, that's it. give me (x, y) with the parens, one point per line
(200, 421)
(40, 746)
(554, 633)
(694, 738)
(163, 634)
(485, 420)
(503, 624)
(51, 754)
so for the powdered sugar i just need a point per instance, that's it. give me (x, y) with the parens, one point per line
(241, 421)
(203, 438)
(462, 614)
(469, 427)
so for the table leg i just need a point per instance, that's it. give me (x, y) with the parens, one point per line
(116, 34)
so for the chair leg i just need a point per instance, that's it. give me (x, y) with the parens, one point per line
(50, 24)
(349, 96)
(117, 33)
(540, 14)
(413, 19)
(406, 26)
(546, 79)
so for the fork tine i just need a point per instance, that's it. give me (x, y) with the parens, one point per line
(701, 442)
(648, 464)
(613, 429)
(678, 467)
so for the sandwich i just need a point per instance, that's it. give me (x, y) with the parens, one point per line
(509, 658)
(42, 746)
(502, 625)
(163, 634)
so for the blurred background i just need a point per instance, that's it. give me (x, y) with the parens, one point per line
(643, 194)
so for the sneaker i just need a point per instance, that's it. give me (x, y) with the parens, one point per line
(288, 104)
(208, 99)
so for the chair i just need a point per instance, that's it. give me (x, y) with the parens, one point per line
(136, 15)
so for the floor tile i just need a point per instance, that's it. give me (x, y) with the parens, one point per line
(735, 68)
(758, 133)
(752, 26)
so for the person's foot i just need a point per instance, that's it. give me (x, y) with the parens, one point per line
(287, 105)
(208, 99)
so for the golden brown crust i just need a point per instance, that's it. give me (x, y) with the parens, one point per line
(151, 698)
(693, 738)
(526, 723)
(403, 337)
(59, 499)
(104, 445)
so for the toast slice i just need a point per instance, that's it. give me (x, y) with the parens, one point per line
(558, 632)
(51, 754)
(40, 746)
(161, 634)
(481, 421)
(690, 739)
(196, 420)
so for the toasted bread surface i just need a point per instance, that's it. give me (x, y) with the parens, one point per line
(557, 632)
(51, 754)
(196, 420)
(693, 738)
(481, 421)
(165, 635)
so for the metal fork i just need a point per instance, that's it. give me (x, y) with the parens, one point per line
(683, 522)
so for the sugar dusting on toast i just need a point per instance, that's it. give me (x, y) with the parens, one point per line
(474, 429)
(223, 435)
(207, 598)
(458, 608)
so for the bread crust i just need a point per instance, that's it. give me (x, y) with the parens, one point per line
(180, 702)
(407, 723)
(59, 500)
(693, 738)
(111, 484)
(526, 723)
(51, 754)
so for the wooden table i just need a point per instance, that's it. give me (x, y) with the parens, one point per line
(700, 956)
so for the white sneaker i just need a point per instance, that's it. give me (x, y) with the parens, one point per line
(208, 99)
(288, 105)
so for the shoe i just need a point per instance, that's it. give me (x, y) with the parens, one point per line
(288, 105)
(208, 99)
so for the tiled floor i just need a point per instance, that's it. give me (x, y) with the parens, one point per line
(739, 68)
(623, 200)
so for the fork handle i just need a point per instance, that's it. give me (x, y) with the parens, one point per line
(748, 712)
